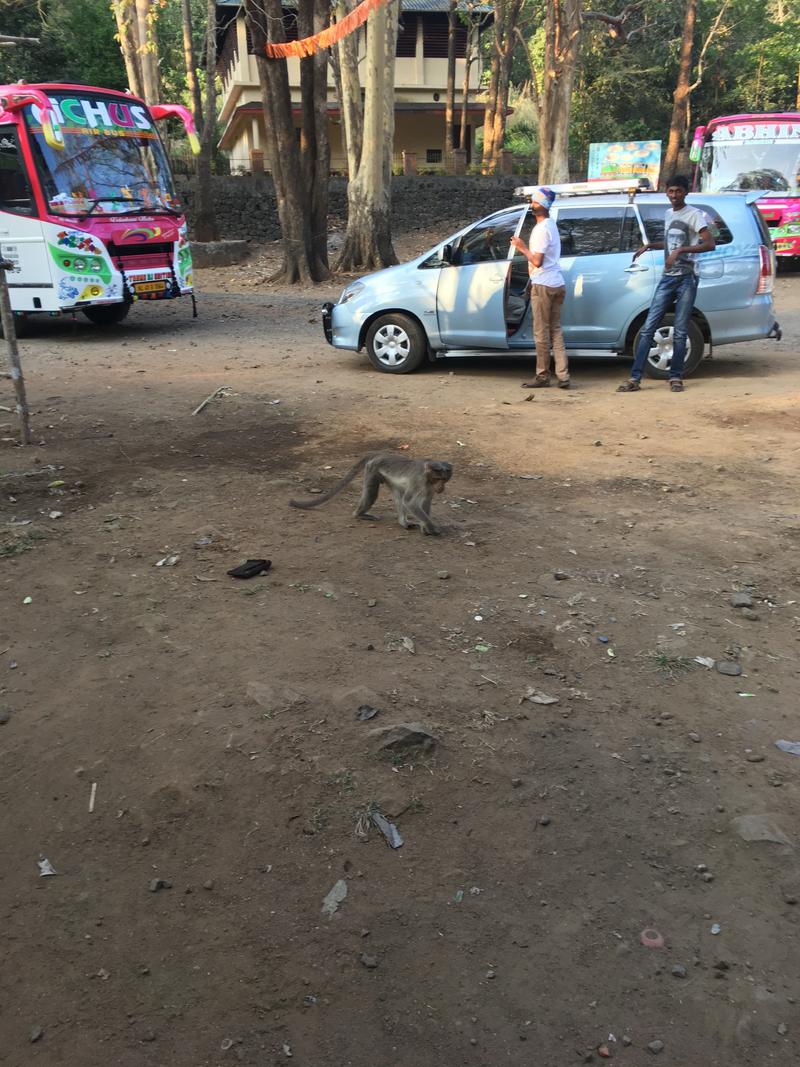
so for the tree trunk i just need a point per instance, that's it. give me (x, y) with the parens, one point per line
(315, 155)
(190, 62)
(300, 264)
(148, 53)
(368, 239)
(680, 97)
(351, 109)
(205, 226)
(494, 123)
(450, 103)
(561, 48)
(491, 106)
(125, 15)
(503, 82)
(469, 59)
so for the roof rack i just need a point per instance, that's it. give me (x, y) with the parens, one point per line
(631, 186)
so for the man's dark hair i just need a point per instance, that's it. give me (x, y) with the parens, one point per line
(678, 179)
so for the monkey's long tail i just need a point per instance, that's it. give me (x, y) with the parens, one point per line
(316, 501)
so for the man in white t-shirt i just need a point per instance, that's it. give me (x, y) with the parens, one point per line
(547, 291)
(686, 234)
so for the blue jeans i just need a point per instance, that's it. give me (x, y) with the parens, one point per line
(682, 289)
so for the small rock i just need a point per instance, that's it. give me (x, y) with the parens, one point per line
(159, 883)
(370, 962)
(741, 600)
(597, 444)
(5, 715)
(37, 1033)
(405, 738)
(491, 974)
(149, 1035)
(679, 971)
(208, 884)
(695, 737)
(707, 876)
(444, 575)
(627, 1041)
(728, 667)
(790, 898)
(545, 820)
(330, 905)
(763, 827)
(783, 1029)
(655, 1047)
(560, 576)
(371, 602)
(753, 616)
(366, 712)
(755, 757)
(516, 782)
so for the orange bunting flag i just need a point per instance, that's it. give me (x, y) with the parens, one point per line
(326, 38)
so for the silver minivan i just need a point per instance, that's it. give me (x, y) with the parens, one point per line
(469, 294)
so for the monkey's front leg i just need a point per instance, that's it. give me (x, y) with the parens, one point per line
(418, 515)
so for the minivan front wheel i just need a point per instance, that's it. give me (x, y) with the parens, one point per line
(659, 357)
(396, 343)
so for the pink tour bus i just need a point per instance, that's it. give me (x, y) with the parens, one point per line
(740, 153)
(88, 213)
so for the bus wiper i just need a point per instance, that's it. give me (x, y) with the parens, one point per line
(110, 200)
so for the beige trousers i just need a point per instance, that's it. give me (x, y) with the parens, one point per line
(546, 303)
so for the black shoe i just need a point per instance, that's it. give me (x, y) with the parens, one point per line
(537, 383)
(564, 384)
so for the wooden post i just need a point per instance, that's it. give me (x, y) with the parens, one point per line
(15, 374)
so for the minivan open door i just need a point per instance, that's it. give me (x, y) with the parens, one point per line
(470, 296)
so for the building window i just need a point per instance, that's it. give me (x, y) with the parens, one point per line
(434, 37)
(433, 155)
(407, 37)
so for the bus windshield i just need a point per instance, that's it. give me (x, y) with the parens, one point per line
(773, 166)
(112, 163)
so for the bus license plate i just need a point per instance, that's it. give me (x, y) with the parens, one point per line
(149, 287)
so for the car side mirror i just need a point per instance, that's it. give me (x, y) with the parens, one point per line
(447, 254)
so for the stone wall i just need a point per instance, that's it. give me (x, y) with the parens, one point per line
(246, 205)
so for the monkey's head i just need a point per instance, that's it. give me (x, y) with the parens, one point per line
(438, 473)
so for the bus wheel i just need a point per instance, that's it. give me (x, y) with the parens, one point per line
(107, 314)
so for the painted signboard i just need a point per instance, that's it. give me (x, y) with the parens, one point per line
(625, 159)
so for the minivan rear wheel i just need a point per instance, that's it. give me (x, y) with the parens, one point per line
(396, 343)
(660, 356)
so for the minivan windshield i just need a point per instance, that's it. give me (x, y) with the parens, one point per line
(112, 162)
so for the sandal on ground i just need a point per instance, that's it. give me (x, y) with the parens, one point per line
(676, 385)
(631, 386)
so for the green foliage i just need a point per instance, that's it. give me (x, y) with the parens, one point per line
(76, 43)
(522, 129)
(623, 90)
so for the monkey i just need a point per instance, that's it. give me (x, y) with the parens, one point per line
(412, 483)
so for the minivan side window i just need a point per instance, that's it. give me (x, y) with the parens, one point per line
(489, 240)
(653, 221)
(597, 231)
(15, 192)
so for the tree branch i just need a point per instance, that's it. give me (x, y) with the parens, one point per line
(534, 77)
(711, 34)
(615, 23)
(18, 40)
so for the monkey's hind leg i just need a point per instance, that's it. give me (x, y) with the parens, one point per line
(369, 494)
(400, 507)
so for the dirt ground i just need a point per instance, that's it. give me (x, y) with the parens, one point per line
(214, 720)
